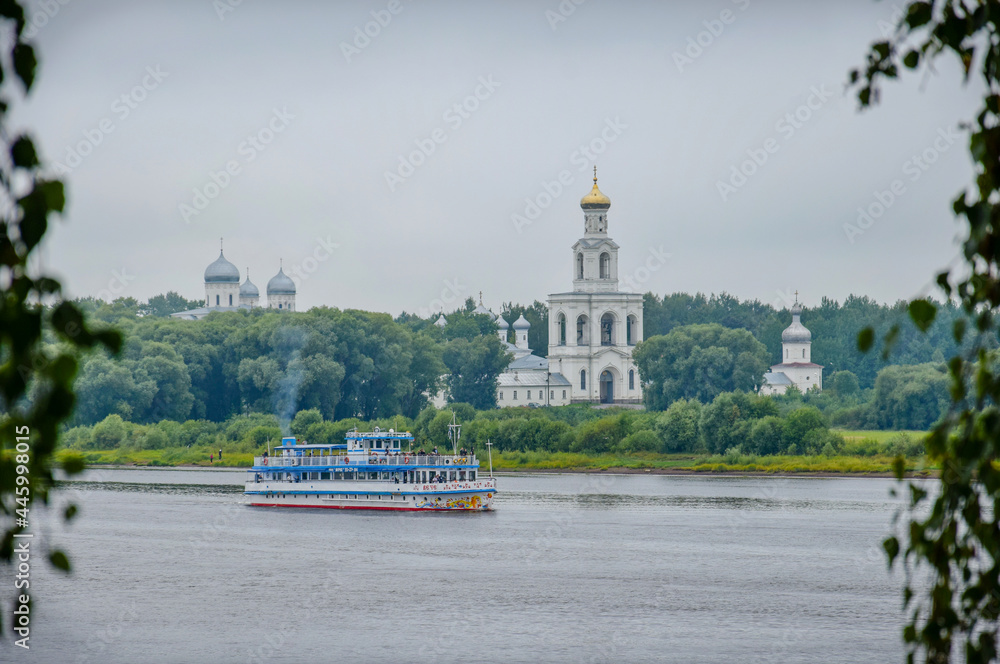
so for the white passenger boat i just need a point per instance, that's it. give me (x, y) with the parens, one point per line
(374, 471)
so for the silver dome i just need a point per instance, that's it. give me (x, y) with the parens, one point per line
(281, 284)
(796, 333)
(502, 324)
(222, 272)
(480, 309)
(247, 289)
(521, 323)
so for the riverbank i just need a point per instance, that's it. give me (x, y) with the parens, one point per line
(569, 462)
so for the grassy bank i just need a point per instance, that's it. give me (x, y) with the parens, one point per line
(565, 461)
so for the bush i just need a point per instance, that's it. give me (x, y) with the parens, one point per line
(305, 419)
(109, 433)
(640, 441)
(767, 435)
(902, 445)
(677, 428)
(866, 447)
(78, 438)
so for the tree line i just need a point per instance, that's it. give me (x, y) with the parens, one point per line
(356, 364)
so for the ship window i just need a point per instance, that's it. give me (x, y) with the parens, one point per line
(472, 475)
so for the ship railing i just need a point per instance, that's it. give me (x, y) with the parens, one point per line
(402, 459)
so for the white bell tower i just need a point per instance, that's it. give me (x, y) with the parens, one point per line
(594, 327)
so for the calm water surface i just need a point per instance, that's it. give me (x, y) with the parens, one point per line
(171, 567)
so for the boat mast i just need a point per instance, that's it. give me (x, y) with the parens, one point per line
(489, 451)
(454, 432)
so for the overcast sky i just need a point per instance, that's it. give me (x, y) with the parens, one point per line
(321, 129)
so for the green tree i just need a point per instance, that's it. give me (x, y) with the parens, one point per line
(910, 397)
(305, 419)
(955, 538)
(106, 386)
(29, 365)
(475, 368)
(698, 362)
(164, 305)
(767, 436)
(800, 423)
(727, 421)
(677, 427)
(843, 383)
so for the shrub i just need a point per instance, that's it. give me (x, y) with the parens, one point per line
(640, 441)
(109, 433)
(866, 447)
(677, 428)
(902, 445)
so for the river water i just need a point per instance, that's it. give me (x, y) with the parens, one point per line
(171, 567)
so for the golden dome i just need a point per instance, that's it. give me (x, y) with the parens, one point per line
(595, 199)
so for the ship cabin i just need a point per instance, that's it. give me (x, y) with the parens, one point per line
(375, 456)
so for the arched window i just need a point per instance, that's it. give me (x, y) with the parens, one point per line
(631, 379)
(216, 300)
(279, 306)
(803, 352)
(579, 266)
(582, 331)
(608, 329)
(631, 329)
(562, 329)
(583, 379)
(605, 265)
(230, 299)
(786, 353)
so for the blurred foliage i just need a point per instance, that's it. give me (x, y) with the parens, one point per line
(40, 346)
(949, 545)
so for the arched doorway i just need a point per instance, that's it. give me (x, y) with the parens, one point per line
(607, 387)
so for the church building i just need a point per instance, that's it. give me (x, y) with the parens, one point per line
(796, 366)
(592, 330)
(224, 292)
(594, 327)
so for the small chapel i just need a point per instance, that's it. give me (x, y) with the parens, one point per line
(796, 367)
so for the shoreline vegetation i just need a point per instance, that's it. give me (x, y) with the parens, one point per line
(877, 463)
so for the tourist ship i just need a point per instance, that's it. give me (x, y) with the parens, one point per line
(370, 471)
